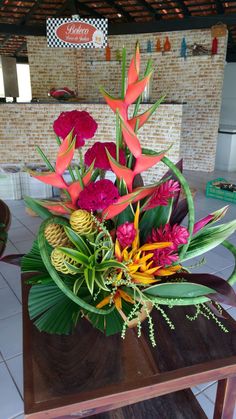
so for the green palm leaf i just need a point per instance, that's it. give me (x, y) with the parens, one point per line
(77, 240)
(53, 311)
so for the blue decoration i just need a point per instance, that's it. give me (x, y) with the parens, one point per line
(183, 51)
(149, 46)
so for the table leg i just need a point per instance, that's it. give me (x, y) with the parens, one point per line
(225, 399)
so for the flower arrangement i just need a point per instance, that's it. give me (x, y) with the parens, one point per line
(113, 252)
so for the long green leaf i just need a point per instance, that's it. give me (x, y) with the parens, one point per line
(100, 281)
(78, 241)
(36, 207)
(109, 264)
(209, 239)
(154, 218)
(189, 199)
(89, 275)
(178, 290)
(75, 255)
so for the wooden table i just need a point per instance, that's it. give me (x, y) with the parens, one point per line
(89, 375)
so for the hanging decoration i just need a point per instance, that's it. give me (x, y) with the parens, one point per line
(167, 45)
(214, 46)
(183, 50)
(76, 33)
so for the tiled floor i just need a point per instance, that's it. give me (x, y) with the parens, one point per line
(21, 235)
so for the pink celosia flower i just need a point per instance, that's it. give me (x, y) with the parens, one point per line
(98, 153)
(82, 123)
(125, 234)
(162, 194)
(176, 234)
(98, 195)
(164, 257)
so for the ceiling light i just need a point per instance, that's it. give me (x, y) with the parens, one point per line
(119, 14)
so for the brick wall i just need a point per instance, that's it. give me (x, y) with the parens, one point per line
(23, 126)
(196, 81)
(50, 67)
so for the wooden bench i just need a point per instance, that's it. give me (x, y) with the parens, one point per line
(89, 375)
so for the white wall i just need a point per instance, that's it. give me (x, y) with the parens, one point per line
(228, 106)
(23, 76)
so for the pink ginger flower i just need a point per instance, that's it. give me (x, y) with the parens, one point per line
(98, 195)
(81, 122)
(125, 234)
(162, 194)
(176, 234)
(98, 153)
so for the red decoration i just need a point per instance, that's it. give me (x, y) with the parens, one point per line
(214, 47)
(167, 46)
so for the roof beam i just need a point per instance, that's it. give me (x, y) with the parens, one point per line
(85, 8)
(135, 27)
(164, 25)
(219, 7)
(183, 6)
(120, 10)
(149, 8)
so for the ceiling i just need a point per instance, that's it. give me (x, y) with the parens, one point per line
(21, 17)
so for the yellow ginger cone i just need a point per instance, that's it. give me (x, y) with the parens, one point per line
(56, 236)
(82, 222)
(58, 260)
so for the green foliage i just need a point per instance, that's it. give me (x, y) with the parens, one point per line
(178, 290)
(51, 309)
(37, 207)
(209, 238)
(154, 218)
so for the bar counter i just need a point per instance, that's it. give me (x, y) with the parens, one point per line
(25, 125)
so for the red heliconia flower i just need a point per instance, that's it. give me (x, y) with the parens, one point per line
(97, 153)
(125, 234)
(81, 122)
(162, 194)
(98, 195)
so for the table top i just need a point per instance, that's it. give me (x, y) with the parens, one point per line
(92, 373)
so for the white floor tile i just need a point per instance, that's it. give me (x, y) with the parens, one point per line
(232, 312)
(24, 246)
(218, 262)
(15, 366)
(17, 234)
(10, 400)
(10, 249)
(9, 304)
(3, 283)
(11, 336)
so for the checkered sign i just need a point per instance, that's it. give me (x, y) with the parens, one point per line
(77, 33)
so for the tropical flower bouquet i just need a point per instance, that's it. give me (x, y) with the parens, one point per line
(114, 251)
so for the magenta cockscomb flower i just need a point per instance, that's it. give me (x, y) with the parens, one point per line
(162, 194)
(125, 234)
(98, 153)
(176, 234)
(98, 195)
(81, 122)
